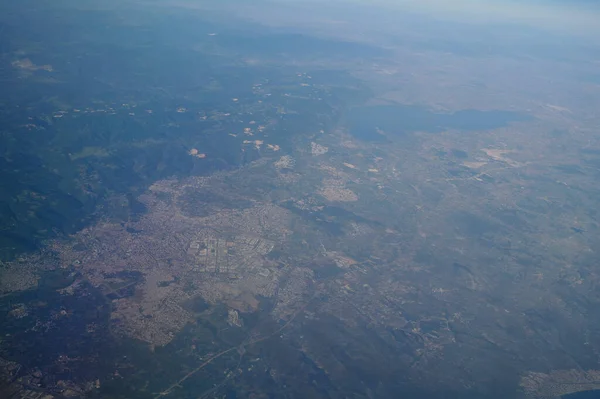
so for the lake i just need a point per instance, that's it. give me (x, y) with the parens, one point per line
(379, 123)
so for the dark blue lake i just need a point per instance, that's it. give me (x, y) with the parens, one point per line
(379, 123)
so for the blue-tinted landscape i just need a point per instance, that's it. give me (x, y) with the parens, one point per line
(292, 199)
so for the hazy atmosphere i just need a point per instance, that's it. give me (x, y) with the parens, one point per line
(299, 199)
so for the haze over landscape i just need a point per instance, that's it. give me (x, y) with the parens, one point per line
(299, 199)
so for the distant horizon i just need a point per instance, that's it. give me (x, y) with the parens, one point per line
(579, 16)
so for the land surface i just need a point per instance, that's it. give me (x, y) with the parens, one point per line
(284, 214)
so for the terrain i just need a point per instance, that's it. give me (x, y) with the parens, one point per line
(261, 203)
